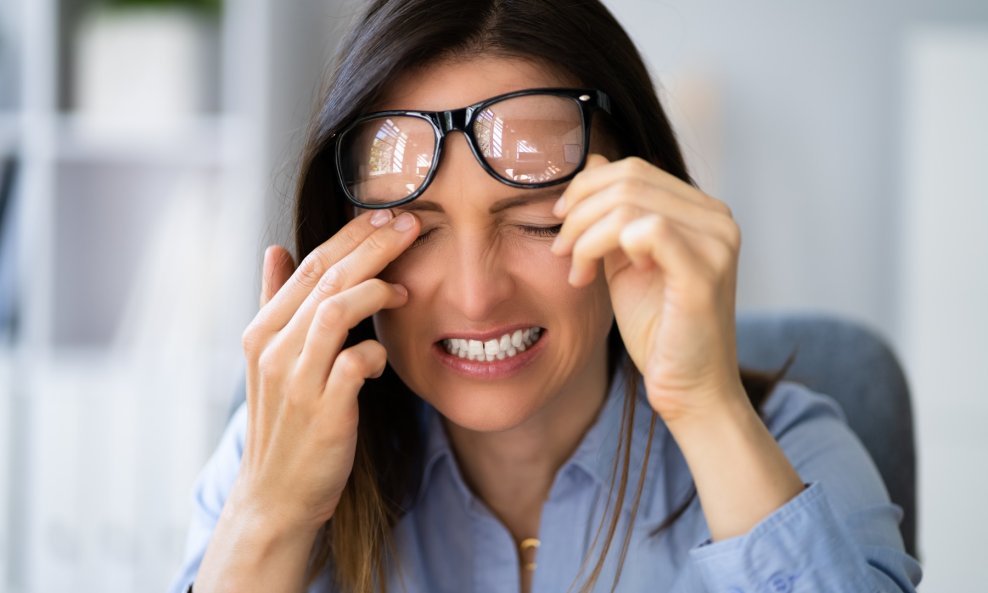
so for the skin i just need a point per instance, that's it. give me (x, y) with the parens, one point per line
(637, 246)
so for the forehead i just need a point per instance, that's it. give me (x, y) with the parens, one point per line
(451, 84)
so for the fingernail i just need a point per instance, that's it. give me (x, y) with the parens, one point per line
(560, 206)
(380, 218)
(404, 222)
(555, 245)
(400, 289)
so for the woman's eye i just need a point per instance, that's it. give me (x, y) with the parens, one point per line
(538, 231)
(421, 238)
(543, 231)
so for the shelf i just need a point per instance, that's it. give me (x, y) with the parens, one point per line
(206, 140)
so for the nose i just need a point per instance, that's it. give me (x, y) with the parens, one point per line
(478, 282)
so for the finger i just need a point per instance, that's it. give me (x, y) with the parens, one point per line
(351, 368)
(644, 195)
(333, 319)
(683, 254)
(597, 241)
(283, 305)
(599, 173)
(365, 261)
(278, 268)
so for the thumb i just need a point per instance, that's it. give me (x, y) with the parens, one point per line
(278, 268)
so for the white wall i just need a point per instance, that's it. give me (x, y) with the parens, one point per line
(944, 292)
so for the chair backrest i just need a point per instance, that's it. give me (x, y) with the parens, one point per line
(852, 364)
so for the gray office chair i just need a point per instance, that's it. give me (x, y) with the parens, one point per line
(850, 363)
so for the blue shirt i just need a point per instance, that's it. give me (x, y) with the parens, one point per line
(840, 534)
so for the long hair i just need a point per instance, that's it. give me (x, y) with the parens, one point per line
(578, 38)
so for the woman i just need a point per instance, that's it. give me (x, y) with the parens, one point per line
(507, 360)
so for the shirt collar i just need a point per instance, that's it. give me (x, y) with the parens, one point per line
(602, 444)
(594, 456)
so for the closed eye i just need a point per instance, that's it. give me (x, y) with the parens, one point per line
(420, 239)
(543, 231)
(538, 231)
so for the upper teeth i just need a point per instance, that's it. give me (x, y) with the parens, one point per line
(495, 348)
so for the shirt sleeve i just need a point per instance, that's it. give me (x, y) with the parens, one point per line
(839, 534)
(209, 494)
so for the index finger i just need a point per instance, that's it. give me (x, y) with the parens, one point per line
(599, 173)
(279, 310)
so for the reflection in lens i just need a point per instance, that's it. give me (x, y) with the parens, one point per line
(531, 138)
(387, 158)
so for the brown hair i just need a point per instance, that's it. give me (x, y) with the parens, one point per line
(394, 36)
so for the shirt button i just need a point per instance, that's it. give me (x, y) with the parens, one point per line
(780, 582)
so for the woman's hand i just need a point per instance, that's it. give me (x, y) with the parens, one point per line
(670, 255)
(301, 385)
(302, 410)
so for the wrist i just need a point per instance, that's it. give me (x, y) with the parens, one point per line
(270, 521)
(741, 473)
(717, 428)
(705, 409)
(254, 549)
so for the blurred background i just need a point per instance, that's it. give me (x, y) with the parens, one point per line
(147, 154)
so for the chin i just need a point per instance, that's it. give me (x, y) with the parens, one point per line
(492, 409)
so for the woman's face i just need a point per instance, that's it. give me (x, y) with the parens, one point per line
(480, 275)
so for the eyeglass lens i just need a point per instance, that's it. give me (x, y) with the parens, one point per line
(529, 139)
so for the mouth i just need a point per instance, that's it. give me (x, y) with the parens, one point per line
(507, 345)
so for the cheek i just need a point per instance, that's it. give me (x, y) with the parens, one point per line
(411, 270)
(580, 315)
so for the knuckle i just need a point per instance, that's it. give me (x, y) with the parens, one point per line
(312, 269)
(333, 280)
(349, 234)
(351, 364)
(330, 312)
(636, 165)
(733, 234)
(251, 342)
(723, 208)
(725, 258)
(269, 365)
(378, 358)
(376, 242)
(378, 353)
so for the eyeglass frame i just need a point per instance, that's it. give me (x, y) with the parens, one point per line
(462, 120)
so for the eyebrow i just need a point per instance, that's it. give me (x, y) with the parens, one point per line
(528, 196)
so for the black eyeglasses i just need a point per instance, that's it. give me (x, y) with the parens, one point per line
(530, 138)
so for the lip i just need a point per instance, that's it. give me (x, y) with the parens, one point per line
(496, 369)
